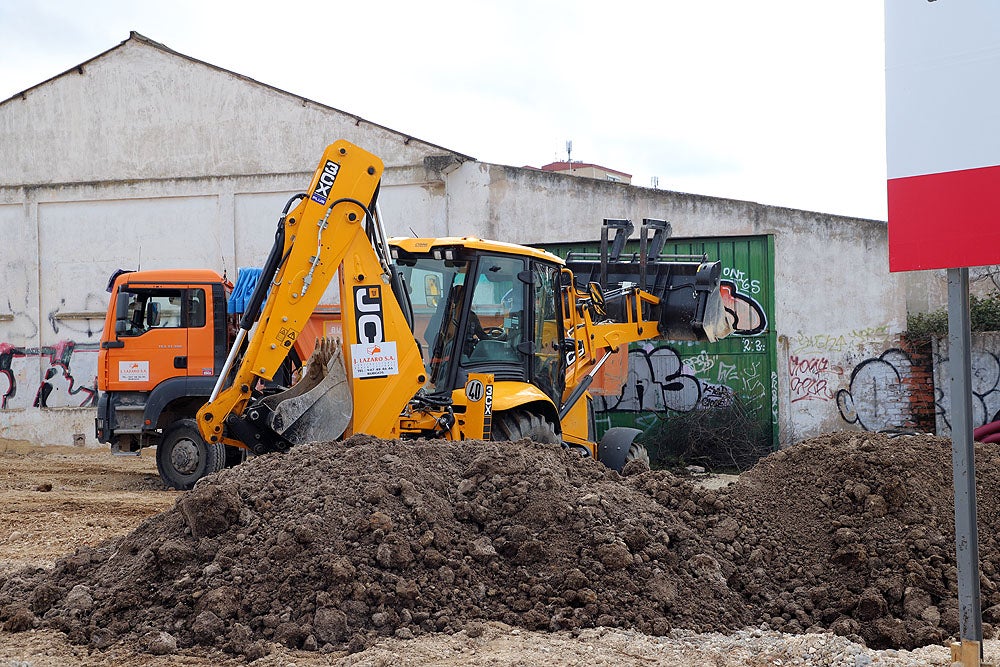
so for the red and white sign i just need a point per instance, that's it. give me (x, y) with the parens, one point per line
(942, 64)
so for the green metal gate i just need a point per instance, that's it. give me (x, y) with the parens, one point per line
(731, 384)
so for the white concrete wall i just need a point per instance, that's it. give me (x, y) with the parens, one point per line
(192, 165)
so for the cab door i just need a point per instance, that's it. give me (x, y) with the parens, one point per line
(151, 341)
(199, 325)
(548, 364)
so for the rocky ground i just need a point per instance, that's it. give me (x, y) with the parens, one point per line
(835, 552)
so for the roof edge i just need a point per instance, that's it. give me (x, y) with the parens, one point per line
(77, 68)
(138, 37)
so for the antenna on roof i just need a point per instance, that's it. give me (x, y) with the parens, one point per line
(569, 153)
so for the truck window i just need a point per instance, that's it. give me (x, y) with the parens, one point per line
(153, 308)
(196, 308)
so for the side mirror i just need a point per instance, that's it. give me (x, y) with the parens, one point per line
(121, 314)
(152, 314)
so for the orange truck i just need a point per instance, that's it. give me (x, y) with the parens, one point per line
(166, 337)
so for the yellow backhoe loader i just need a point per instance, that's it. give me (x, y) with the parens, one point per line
(455, 338)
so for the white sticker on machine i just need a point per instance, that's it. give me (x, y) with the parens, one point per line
(133, 371)
(372, 360)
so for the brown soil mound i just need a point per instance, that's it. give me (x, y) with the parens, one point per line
(335, 545)
(341, 543)
(855, 532)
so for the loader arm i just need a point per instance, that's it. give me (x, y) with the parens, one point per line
(636, 297)
(331, 228)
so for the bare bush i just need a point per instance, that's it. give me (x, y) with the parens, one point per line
(724, 438)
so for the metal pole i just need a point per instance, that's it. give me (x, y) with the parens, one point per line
(963, 456)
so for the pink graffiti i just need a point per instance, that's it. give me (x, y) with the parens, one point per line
(59, 356)
(807, 378)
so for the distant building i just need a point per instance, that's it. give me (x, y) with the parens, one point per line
(589, 171)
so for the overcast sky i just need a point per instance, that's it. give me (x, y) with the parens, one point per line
(776, 101)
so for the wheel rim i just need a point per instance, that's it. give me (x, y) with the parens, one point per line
(184, 456)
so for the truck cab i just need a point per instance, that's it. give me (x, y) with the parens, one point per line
(164, 342)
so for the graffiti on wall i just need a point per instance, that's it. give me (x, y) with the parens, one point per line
(812, 378)
(839, 343)
(877, 397)
(873, 393)
(62, 375)
(985, 388)
(746, 315)
(659, 380)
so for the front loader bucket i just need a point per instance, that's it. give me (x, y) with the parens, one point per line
(319, 406)
(687, 286)
(691, 305)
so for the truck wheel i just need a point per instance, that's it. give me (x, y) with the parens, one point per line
(518, 424)
(183, 457)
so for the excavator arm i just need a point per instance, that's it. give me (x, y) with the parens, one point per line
(332, 227)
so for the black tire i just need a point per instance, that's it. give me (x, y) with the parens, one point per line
(183, 457)
(518, 424)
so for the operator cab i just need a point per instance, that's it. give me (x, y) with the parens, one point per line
(477, 311)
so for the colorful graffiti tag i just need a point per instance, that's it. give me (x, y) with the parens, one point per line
(811, 378)
(746, 315)
(58, 385)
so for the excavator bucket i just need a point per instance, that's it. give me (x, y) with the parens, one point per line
(319, 406)
(690, 305)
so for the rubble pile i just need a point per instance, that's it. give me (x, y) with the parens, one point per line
(337, 544)
(334, 545)
(855, 533)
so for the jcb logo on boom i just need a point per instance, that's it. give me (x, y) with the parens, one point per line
(368, 314)
(325, 184)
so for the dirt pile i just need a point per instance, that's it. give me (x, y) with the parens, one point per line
(338, 544)
(854, 532)
(335, 545)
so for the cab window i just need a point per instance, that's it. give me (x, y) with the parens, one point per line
(141, 310)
